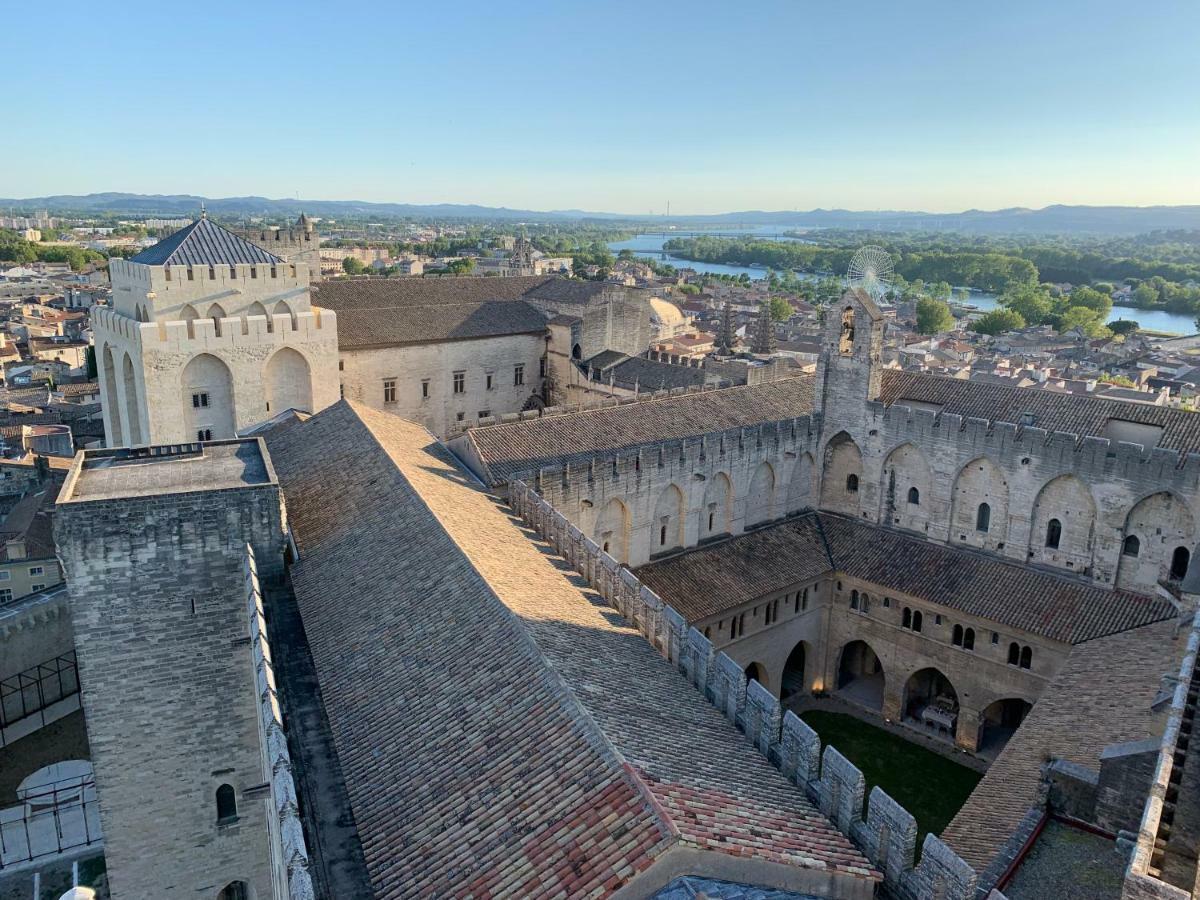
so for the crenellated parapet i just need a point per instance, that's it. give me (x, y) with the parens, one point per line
(887, 833)
(289, 849)
(1092, 458)
(207, 335)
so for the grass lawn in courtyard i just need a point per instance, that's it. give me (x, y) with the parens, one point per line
(928, 785)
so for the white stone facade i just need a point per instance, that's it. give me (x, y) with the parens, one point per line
(419, 382)
(202, 352)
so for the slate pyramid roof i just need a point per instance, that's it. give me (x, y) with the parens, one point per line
(204, 243)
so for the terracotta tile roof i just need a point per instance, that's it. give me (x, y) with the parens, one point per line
(974, 583)
(501, 732)
(1081, 415)
(1102, 695)
(710, 580)
(522, 447)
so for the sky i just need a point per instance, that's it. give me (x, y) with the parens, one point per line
(609, 106)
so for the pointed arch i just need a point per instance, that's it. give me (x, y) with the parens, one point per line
(112, 406)
(287, 378)
(133, 419)
(207, 399)
(841, 468)
(1155, 527)
(282, 309)
(1063, 524)
(760, 502)
(216, 312)
(800, 488)
(860, 675)
(979, 505)
(612, 530)
(906, 480)
(188, 314)
(716, 515)
(257, 309)
(666, 532)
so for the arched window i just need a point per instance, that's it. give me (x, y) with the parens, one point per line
(969, 639)
(864, 602)
(916, 620)
(854, 599)
(662, 536)
(906, 618)
(235, 890)
(1014, 654)
(1132, 546)
(1053, 534)
(914, 496)
(1179, 563)
(983, 517)
(846, 341)
(852, 483)
(577, 352)
(957, 639)
(1026, 657)
(226, 803)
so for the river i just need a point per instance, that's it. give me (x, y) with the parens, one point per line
(651, 245)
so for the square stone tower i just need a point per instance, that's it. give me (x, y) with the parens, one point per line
(153, 542)
(209, 334)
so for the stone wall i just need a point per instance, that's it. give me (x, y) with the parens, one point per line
(886, 834)
(363, 373)
(158, 597)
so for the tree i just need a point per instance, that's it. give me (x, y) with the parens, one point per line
(1033, 303)
(933, 316)
(464, 265)
(1091, 299)
(1090, 321)
(352, 266)
(1123, 326)
(781, 310)
(998, 321)
(625, 254)
(1145, 295)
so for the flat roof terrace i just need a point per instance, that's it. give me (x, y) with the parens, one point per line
(125, 472)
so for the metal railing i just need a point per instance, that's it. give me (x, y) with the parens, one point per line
(30, 692)
(52, 819)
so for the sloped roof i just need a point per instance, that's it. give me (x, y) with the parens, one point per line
(344, 294)
(1081, 415)
(360, 329)
(509, 449)
(708, 580)
(204, 243)
(500, 733)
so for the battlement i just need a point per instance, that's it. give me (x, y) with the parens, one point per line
(766, 441)
(1098, 458)
(205, 334)
(886, 835)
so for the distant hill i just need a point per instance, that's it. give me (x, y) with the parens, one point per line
(1018, 220)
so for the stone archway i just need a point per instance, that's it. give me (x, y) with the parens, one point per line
(666, 531)
(930, 702)
(841, 475)
(756, 671)
(612, 530)
(800, 489)
(112, 405)
(760, 502)
(999, 721)
(207, 399)
(1155, 529)
(860, 677)
(288, 382)
(133, 419)
(793, 683)
(716, 515)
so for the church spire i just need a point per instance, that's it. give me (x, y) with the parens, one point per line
(725, 337)
(764, 343)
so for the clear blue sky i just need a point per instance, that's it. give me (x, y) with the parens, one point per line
(616, 106)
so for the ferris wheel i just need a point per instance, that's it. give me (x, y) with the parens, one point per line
(871, 269)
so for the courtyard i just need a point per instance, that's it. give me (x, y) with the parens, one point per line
(927, 784)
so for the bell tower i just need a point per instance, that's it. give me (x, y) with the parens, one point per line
(849, 370)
